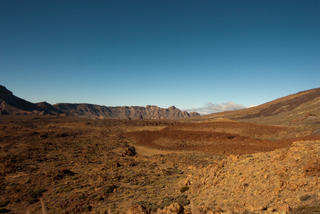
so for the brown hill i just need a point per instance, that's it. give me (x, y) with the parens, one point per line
(302, 107)
(12, 105)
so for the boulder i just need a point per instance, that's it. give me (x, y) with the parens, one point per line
(174, 208)
(137, 209)
(131, 151)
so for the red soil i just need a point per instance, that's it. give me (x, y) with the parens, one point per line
(217, 138)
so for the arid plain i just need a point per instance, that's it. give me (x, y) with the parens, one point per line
(258, 160)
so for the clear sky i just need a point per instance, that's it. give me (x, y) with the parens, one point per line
(195, 54)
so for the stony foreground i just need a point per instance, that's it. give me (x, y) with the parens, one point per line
(282, 181)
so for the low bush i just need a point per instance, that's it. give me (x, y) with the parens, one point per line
(4, 203)
(109, 189)
(184, 189)
(35, 194)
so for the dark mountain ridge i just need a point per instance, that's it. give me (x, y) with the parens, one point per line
(13, 105)
(10, 104)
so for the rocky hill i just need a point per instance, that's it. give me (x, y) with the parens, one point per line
(12, 105)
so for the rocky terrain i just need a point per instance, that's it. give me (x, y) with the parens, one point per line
(221, 163)
(100, 166)
(283, 180)
(12, 105)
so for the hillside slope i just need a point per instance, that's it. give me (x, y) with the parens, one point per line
(300, 108)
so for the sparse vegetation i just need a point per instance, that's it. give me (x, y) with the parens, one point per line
(79, 167)
(184, 189)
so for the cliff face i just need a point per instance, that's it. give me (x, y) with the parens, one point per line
(12, 105)
(84, 110)
(122, 112)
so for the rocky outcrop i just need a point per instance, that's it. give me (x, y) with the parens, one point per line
(137, 209)
(174, 208)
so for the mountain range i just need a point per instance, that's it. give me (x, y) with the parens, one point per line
(13, 105)
(301, 107)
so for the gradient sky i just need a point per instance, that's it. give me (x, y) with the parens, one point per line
(191, 54)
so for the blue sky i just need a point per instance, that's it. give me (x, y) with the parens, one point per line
(191, 54)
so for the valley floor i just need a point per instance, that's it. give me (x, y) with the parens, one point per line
(101, 166)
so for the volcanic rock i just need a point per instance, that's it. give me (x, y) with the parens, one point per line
(137, 209)
(131, 151)
(174, 208)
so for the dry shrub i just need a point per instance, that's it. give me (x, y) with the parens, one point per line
(184, 189)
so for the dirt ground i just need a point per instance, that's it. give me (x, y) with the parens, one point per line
(103, 166)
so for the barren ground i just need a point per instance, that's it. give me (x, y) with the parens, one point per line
(100, 166)
(223, 138)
